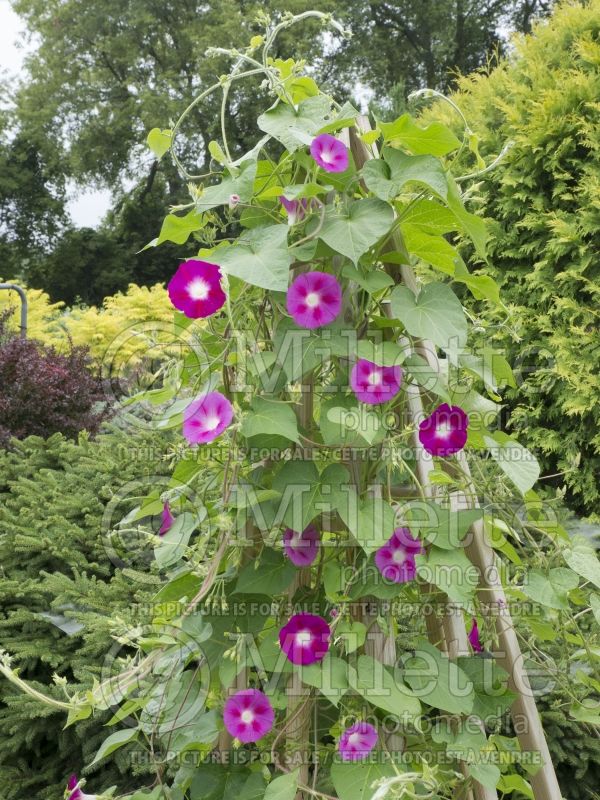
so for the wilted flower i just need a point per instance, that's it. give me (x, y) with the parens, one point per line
(445, 431)
(305, 638)
(396, 559)
(206, 418)
(357, 741)
(329, 153)
(314, 299)
(296, 209)
(301, 548)
(234, 199)
(195, 289)
(248, 715)
(474, 639)
(166, 518)
(374, 384)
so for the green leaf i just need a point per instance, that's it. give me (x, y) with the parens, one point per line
(435, 314)
(371, 521)
(516, 461)
(356, 781)
(441, 526)
(449, 570)
(434, 250)
(284, 787)
(386, 177)
(216, 151)
(260, 257)
(271, 575)
(172, 545)
(305, 493)
(385, 354)
(240, 183)
(482, 287)
(436, 139)
(515, 783)
(490, 682)
(438, 681)
(178, 229)
(271, 417)
(471, 224)
(329, 676)
(352, 633)
(487, 774)
(354, 233)
(381, 688)
(371, 281)
(550, 590)
(159, 141)
(430, 379)
(355, 418)
(581, 556)
(296, 128)
(430, 217)
(114, 741)
(345, 118)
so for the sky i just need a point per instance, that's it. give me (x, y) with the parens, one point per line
(86, 208)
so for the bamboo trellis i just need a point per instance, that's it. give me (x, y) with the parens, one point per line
(451, 635)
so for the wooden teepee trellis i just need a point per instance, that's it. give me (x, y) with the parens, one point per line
(449, 633)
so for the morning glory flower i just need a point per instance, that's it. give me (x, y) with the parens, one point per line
(206, 418)
(314, 299)
(305, 638)
(329, 153)
(296, 209)
(248, 715)
(396, 559)
(444, 432)
(373, 384)
(195, 289)
(357, 741)
(234, 199)
(166, 519)
(474, 639)
(75, 791)
(301, 548)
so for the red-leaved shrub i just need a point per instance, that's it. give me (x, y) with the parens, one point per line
(44, 392)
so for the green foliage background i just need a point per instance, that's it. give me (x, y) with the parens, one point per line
(543, 201)
(54, 560)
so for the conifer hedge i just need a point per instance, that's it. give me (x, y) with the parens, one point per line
(543, 201)
(60, 594)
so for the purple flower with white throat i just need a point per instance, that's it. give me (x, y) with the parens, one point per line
(373, 384)
(195, 289)
(396, 559)
(206, 418)
(301, 548)
(357, 741)
(166, 519)
(295, 209)
(75, 792)
(444, 432)
(474, 639)
(248, 715)
(329, 153)
(314, 299)
(305, 638)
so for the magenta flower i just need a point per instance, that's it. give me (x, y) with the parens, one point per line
(305, 638)
(76, 793)
(329, 153)
(373, 384)
(248, 715)
(196, 289)
(296, 209)
(396, 559)
(314, 299)
(166, 519)
(301, 548)
(474, 639)
(357, 741)
(206, 418)
(445, 431)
